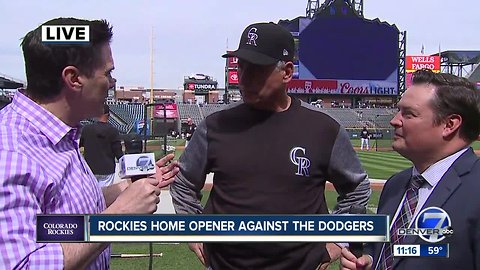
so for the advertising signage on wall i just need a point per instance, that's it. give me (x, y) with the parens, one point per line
(342, 87)
(232, 77)
(168, 106)
(170, 111)
(232, 62)
(413, 63)
(312, 86)
(408, 79)
(201, 87)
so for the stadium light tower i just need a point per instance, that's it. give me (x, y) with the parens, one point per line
(358, 6)
(151, 71)
(313, 6)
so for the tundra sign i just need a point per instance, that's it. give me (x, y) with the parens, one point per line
(201, 87)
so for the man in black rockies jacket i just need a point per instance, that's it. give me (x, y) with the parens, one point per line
(262, 161)
(189, 130)
(102, 144)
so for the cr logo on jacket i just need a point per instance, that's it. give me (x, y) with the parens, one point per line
(301, 162)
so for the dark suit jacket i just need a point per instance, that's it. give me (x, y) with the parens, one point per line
(458, 193)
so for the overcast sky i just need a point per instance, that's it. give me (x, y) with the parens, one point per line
(191, 35)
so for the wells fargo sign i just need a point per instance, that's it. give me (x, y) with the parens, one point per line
(413, 63)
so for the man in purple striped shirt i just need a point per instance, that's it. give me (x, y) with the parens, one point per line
(41, 168)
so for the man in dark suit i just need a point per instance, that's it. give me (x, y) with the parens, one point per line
(438, 119)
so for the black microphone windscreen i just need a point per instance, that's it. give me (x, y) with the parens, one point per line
(357, 209)
(357, 248)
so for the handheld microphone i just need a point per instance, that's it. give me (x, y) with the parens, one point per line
(137, 166)
(357, 248)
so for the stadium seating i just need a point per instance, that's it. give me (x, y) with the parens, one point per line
(4, 101)
(190, 110)
(208, 109)
(128, 112)
(346, 117)
(379, 117)
(124, 115)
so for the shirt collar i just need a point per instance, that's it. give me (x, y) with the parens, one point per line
(46, 122)
(435, 172)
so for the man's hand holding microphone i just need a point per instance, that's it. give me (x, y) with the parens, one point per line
(351, 262)
(352, 258)
(142, 195)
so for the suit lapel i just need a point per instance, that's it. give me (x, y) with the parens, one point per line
(450, 182)
(444, 189)
(395, 194)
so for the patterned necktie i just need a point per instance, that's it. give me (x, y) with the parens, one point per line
(402, 221)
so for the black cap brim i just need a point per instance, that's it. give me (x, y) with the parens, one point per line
(252, 57)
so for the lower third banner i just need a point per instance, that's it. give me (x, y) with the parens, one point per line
(238, 228)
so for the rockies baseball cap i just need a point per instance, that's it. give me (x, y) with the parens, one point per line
(264, 44)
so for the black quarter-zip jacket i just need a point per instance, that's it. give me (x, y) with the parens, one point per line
(268, 163)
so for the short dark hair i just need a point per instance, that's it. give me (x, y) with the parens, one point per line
(453, 95)
(44, 62)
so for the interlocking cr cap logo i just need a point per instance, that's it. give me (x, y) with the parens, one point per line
(302, 163)
(252, 36)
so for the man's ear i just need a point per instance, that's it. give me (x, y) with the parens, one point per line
(452, 125)
(288, 75)
(71, 78)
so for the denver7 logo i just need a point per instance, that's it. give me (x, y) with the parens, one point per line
(435, 222)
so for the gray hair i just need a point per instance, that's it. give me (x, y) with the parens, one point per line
(280, 65)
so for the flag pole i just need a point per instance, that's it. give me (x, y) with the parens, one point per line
(440, 56)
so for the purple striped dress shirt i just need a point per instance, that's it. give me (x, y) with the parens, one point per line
(41, 171)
